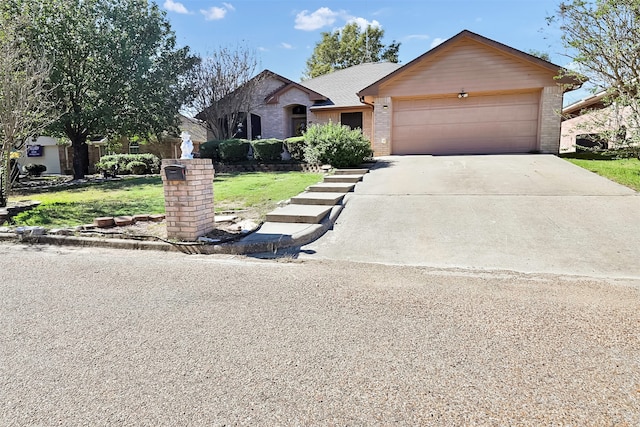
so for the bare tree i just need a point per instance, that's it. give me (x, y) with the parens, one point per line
(25, 106)
(226, 85)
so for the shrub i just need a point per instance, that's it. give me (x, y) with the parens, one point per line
(337, 145)
(34, 169)
(211, 150)
(267, 150)
(120, 164)
(295, 146)
(137, 168)
(234, 150)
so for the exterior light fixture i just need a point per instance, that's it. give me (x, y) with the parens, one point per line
(385, 107)
(463, 94)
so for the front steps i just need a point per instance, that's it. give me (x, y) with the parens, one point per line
(331, 187)
(310, 208)
(318, 198)
(307, 214)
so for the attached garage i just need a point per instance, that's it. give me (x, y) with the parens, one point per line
(499, 123)
(469, 95)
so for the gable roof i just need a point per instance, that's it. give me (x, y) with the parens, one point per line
(272, 98)
(372, 89)
(341, 87)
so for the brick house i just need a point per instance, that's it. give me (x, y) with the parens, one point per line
(469, 95)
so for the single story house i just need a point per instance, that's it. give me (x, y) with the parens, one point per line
(58, 157)
(469, 95)
(586, 123)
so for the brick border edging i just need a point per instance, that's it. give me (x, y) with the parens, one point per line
(266, 167)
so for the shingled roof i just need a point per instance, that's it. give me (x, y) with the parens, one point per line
(341, 86)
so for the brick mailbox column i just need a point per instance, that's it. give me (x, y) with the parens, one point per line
(188, 198)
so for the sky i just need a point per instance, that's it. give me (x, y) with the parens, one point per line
(283, 33)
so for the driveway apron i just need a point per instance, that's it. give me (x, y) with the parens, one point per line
(528, 213)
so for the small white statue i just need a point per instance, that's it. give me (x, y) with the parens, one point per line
(186, 146)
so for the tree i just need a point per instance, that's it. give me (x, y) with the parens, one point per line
(25, 106)
(347, 47)
(115, 67)
(540, 54)
(226, 89)
(603, 41)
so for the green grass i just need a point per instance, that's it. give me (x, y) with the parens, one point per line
(622, 171)
(259, 190)
(80, 205)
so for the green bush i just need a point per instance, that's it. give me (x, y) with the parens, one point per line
(34, 169)
(295, 146)
(267, 150)
(234, 150)
(337, 145)
(137, 168)
(120, 164)
(211, 150)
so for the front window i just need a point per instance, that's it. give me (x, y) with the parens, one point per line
(134, 148)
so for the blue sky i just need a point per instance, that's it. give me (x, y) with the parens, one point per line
(284, 32)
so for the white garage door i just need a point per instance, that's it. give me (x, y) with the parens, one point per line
(506, 123)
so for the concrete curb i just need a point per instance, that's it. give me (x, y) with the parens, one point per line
(311, 233)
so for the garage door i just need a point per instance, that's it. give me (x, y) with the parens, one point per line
(506, 123)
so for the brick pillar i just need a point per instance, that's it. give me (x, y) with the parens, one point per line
(550, 123)
(381, 143)
(189, 203)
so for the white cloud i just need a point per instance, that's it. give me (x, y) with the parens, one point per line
(214, 13)
(229, 6)
(286, 45)
(437, 41)
(363, 23)
(174, 6)
(322, 17)
(263, 49)
(418, 37)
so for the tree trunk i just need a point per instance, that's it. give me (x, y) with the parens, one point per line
(4, 179)
(80, 157)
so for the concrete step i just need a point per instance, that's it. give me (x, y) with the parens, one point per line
(331, 187)
(307, 214)
(317, 198)
(350, 171)
(343, 178)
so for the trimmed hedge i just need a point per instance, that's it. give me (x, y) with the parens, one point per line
(295, 146)
(234, 150)
(337, 145)
(34, 169)
(267, 150)
(211, 150)
(123, 164)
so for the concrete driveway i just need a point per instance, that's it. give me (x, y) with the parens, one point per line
(528, 213)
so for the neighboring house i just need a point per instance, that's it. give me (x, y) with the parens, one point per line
(584, 122)
(42, 150)
(469, 95)
(167, 147)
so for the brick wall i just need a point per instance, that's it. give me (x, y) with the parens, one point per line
(382, 126)
(549, 127)
(188, 204)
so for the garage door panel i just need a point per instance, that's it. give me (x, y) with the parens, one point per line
(489, 124)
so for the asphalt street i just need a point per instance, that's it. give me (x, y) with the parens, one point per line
(106, 337)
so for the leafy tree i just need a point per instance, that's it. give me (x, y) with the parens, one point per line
(115, 67)
(603, 39)
(539, 54)
(24, 97)
(347, 47)
(226, 89)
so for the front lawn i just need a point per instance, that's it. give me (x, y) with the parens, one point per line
(622, 171)
(254, 193)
